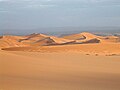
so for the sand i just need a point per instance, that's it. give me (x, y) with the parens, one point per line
(91, 49)
(58, 71)
(86, 37)
(45, 40)
(25, 65)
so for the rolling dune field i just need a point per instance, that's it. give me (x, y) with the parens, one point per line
(40, 62)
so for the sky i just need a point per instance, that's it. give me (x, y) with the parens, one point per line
(35, 14)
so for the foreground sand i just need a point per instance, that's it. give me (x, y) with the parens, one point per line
(58, 71)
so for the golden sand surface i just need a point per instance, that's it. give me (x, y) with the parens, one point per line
(25, 70)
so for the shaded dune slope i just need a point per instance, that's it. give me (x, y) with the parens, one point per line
(41, 39)
(86, 37)
(45, 40)
(32, 40)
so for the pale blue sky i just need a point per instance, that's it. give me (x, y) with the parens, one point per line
(34, 14)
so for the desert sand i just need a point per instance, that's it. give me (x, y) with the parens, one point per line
(58, 71)
(40, 62)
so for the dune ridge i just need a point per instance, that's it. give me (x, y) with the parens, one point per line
(86, 37)
(91, 49)
(75, 42)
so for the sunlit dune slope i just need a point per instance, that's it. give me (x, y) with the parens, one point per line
(80, 36)
(103, 49)
(86, 37)
(31, 40)
(41, 39)
(110, 39)
(45, 40)
(83, 38)
(11, 41)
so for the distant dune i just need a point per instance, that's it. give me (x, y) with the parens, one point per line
(86, 37)
(33, 42)
(41, 39)
(11, 41)
(80, 36)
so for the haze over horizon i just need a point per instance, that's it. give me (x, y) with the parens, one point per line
(20, 15)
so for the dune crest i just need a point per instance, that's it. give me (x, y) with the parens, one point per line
(80, 36)
(34, 39)
(37, 39)
(86, 37)
(41, 39)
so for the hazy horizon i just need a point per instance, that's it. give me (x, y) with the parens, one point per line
(58, 31)
(19, 15)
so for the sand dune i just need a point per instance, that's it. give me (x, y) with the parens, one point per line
(75, 37)
(80, 36)
(89, 35)
(30, 40)
(52, 41)
(34, 41)
(91, 49)
(83, 38)
(110, 39)
(77, 62)
(33, 37)
(94, 40)
(86, 37)
(11, 41)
